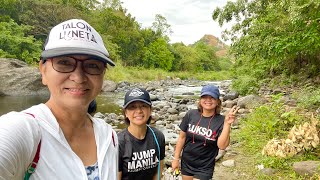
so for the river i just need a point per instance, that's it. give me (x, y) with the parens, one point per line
(107, 102)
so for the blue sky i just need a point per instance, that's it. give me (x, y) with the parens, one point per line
(189, 19)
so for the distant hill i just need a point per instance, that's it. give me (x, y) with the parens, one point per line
(222, 49)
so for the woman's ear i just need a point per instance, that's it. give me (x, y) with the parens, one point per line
(42, 67)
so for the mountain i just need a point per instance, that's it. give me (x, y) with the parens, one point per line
(222, 48)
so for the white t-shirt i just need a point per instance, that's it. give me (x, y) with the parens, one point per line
(20, 134)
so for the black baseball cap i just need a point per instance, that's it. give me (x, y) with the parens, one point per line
(137, 94)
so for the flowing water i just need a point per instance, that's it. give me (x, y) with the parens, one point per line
(107, 103)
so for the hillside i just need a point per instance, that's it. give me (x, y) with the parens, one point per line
(222, 49)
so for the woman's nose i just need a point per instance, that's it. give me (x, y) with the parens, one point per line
(78, 75)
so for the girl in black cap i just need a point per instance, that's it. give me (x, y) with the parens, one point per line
(203, 132)
(141, 147)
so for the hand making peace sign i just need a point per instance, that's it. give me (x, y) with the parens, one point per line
(230, 117)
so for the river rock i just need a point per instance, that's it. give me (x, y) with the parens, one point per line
(250, 101)
(307, 167)
(109, 86)
(17, 78)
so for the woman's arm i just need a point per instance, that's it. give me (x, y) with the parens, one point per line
(155, 177)
(180, 143)
(119, 175)
(224, 139)
(19, 134)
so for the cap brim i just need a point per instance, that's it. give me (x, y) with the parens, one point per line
(210, 94)
(69, 50)
(133, 100)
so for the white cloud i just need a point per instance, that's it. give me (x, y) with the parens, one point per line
(189, 19)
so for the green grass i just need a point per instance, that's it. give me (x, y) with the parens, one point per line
(257, 128)
(139, 74)
(308, 97)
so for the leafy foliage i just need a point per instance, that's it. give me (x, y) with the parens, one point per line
(157, 55)
(126, 41)
(276, 37)
(207, 60)
(161, 27)
(139, 74)
(15, 44)
(308, 97)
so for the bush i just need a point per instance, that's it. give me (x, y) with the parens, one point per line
(15, 44)
(245, 85)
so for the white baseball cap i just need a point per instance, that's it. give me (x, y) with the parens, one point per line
(75, 36)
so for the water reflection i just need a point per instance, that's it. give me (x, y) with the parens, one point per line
(18, 103)
(107, 103)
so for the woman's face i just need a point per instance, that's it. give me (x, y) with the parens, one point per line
(208, 103)
(138, 113)
(73, 89)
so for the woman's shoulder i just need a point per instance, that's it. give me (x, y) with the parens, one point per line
(122, 134)
(24, 117)
(100, 122)
(157, 131)
(193, 112)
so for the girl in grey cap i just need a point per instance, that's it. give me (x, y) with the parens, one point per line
(60, 139)
(141, 147)
(203, 132)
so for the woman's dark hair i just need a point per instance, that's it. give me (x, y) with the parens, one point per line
(217, 110)
(92, 107)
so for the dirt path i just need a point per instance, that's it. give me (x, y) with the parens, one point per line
(242, 164)
(232, 173)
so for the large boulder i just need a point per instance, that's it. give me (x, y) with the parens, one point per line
(109, 86)
(17, 78)
(250, 101)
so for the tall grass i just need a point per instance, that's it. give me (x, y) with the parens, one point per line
(140, 74)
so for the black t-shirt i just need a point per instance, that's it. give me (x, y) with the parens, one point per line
(200, 148)
(138, 159)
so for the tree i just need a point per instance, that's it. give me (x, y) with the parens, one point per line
(188, 57)
(274, 36)
(161, 26)
(113, 4)
(15, 44)
(123, 31)
(157, 55)
(207, 60)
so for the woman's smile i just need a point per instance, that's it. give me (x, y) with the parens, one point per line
(76, 91)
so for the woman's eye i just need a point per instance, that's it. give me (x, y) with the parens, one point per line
(92, 65)
(144, 106)
(65, 62)
(131, 107)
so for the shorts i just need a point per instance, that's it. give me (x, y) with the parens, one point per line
(198, 176)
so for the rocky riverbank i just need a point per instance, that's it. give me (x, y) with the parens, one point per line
(168, 109)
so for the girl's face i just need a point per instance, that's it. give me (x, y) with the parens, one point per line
(208, 103)
(74, 89)
(138, 113)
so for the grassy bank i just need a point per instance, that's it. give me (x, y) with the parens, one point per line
(138, 74)
(270, 121)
